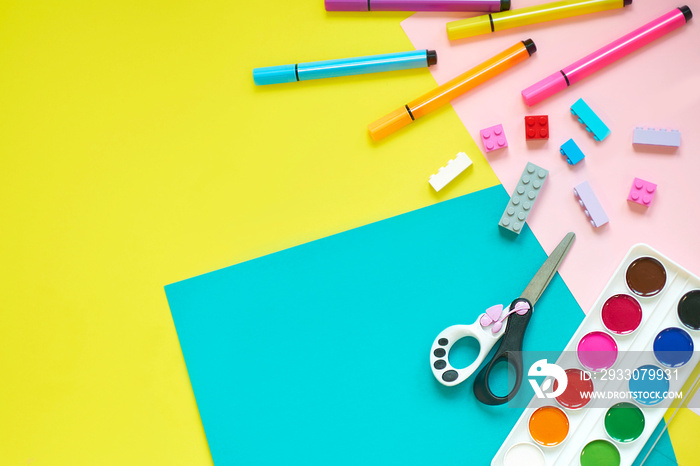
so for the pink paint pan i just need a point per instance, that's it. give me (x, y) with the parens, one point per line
(597, 351)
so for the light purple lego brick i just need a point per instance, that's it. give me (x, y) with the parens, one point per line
(642, 192)
(493, 138)
(656, 137)
(591, 205)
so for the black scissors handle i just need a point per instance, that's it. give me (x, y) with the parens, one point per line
(509, 350)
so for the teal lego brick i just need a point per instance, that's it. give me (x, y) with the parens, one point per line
(590, 120)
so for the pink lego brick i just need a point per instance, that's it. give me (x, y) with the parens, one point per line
(642, 192)
(493, 138)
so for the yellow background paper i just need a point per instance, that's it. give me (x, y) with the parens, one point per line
(135, 151)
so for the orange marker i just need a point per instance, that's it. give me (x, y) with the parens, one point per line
(451, 89)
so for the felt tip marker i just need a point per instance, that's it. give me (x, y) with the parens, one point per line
(486, 24)
(443, 94)
(607, 55)
(417, 5)
(344, 67)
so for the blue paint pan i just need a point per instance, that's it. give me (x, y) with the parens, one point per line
(673, 347)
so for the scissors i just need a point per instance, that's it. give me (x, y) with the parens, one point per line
(496, 323)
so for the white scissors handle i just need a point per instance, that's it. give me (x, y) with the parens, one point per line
(439, 353)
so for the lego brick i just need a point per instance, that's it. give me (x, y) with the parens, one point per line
(450, 171)
(590, 120)
(591, 206)
(571, 151)
(523, 198)
(493, 138)
(656, 137)
(537, 127)
(642, 192)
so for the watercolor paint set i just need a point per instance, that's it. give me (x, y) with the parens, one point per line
(630, 356)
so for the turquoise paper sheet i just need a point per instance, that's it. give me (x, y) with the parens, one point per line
(318, 354)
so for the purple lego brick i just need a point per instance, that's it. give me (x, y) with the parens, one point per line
(656, 137)
(591, 205)
(642, 192)
(493, 138)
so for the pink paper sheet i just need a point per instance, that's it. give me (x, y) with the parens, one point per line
(657, 86)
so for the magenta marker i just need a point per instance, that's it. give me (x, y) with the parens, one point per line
(607, 55)
(490, 6)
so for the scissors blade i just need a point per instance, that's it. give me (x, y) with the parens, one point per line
(539, 282)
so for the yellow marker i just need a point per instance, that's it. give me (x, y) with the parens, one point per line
(451, 89)
(485, 24)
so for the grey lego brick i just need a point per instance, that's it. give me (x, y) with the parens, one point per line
(523, 198)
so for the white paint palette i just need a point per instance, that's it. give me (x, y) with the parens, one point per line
(640, 341)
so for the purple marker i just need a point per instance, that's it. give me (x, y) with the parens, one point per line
(490, 6)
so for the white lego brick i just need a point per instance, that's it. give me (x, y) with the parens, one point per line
(450, 171)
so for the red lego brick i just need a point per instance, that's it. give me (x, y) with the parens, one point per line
(537, 127)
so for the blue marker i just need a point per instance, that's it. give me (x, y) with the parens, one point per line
(344, 67)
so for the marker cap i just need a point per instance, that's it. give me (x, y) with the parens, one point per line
(390, 123)
(347, 5)
(469, 27)
(530, 46)
(275, 74)
(687, 14)
(545, 88)
(431, 56)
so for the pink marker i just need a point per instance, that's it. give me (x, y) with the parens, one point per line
(607, 55)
